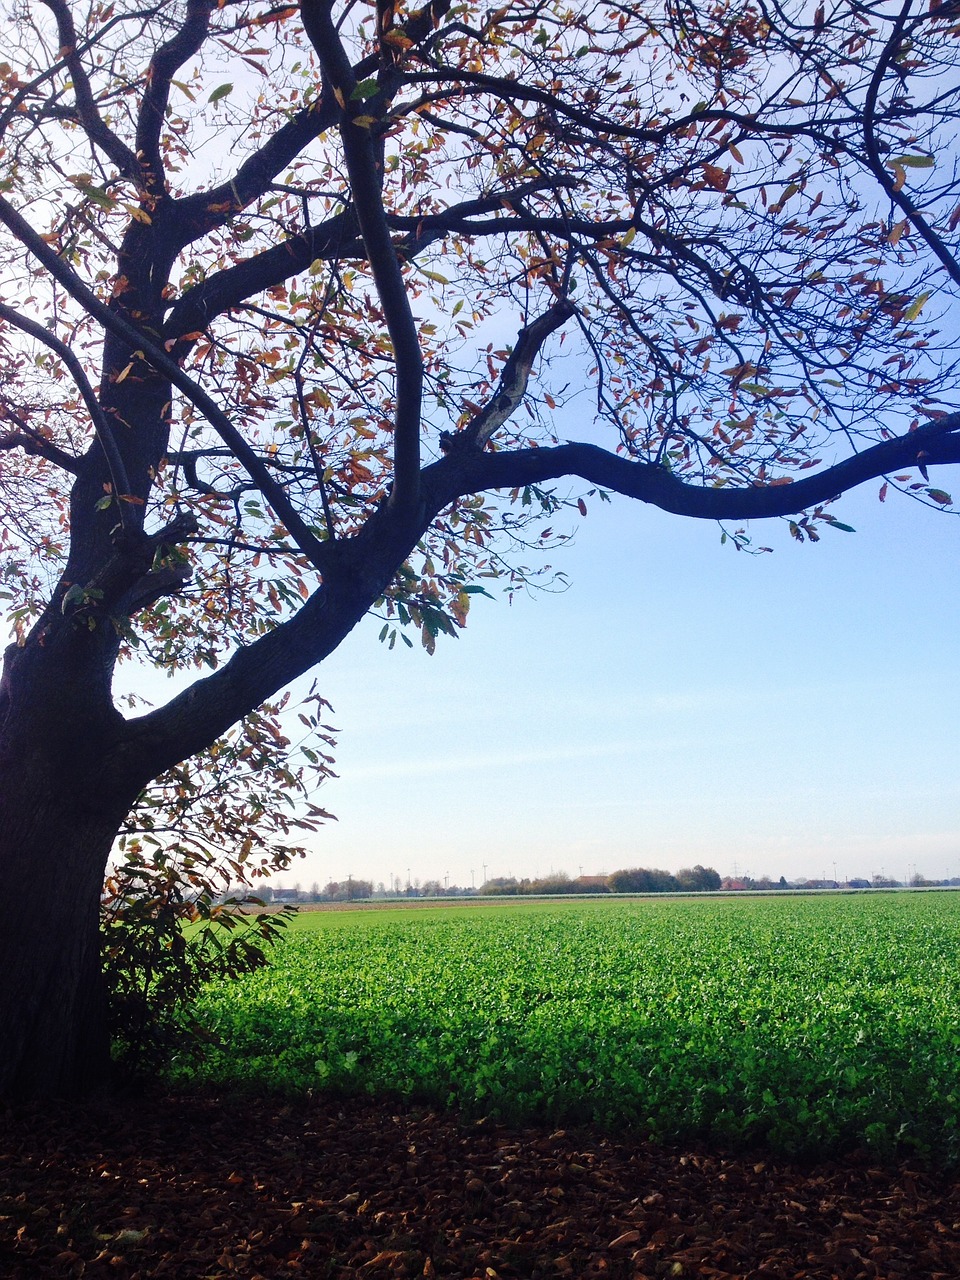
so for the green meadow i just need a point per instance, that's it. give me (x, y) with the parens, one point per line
(805, 1025)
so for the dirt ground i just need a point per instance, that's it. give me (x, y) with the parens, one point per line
(199, 1186)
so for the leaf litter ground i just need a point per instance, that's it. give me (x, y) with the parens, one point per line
(201, 1185)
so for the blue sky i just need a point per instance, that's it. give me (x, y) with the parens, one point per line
(794, 713)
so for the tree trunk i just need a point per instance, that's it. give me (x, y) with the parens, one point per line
(59, 816)
(52, 1003)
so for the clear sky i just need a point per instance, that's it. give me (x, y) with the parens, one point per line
(795, 713)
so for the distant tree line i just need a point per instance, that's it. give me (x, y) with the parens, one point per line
(628, 880)
(696, 879)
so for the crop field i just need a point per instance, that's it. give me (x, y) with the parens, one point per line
(802, 1025)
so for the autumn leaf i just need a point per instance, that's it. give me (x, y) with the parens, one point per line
(715, 177)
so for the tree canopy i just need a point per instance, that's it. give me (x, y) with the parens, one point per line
(295, 299)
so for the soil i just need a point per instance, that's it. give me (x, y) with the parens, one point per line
(199, 1186)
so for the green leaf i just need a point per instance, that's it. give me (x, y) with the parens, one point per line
(914, 162)
(74, 595)
(365, 89)
(98, 195)
(916, 306)
(220, 92)
(836, 524)
(941, 496)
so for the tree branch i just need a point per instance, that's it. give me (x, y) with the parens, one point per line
(875, 161)
(32, 442)
(131, 579)
(228, 288)
(339, 237)
(163, 66)
(93, 123)
(463, 473)
(512, 386)
(199, 214)
(360, 567)
(453, 220)
(365, 170)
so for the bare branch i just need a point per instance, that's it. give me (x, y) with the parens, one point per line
(513, 381)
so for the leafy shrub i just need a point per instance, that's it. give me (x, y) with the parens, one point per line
(179, 906)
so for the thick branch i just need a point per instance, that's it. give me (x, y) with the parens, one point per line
(360, 567)
(29, 441)
(132, 579)
(228, 288)
(163, 66)
(434, 225)
(203, 212)
(462, 473)
(513, 380)
(365, 170)
(339, 237)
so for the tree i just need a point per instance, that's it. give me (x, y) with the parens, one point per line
(500, 886)
(698, 879)
(642, 880)
(282, 292)
(347, 890)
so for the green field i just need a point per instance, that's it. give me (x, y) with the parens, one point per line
(804, 1025)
